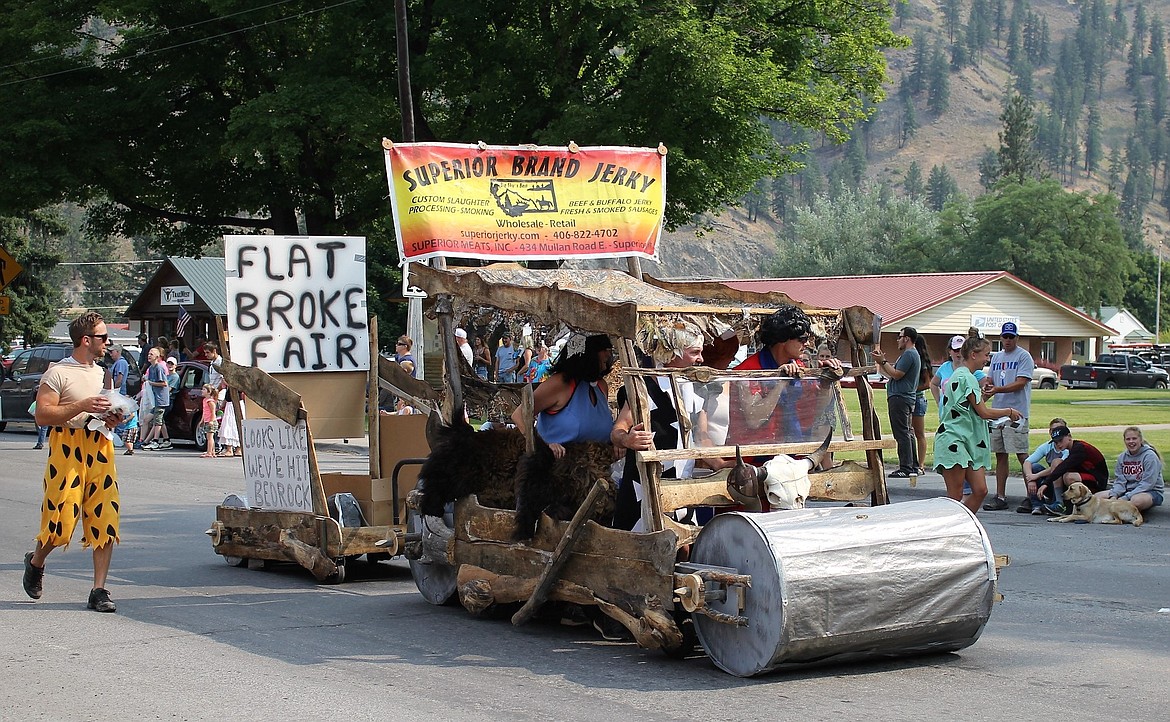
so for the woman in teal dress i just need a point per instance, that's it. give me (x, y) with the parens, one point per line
(962, 444)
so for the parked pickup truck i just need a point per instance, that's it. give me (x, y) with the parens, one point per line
(1114, 371)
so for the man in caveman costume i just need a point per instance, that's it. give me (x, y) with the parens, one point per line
(80, 479)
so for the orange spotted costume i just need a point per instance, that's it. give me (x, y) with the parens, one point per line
(81, 483)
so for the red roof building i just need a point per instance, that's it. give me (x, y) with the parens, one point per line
(940, 305)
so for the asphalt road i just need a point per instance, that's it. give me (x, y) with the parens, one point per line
(1080, 634)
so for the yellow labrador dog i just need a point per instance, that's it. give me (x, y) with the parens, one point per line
(1096, 509)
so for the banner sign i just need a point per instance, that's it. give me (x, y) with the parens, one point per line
(276, 464)
(525, 202)
(297, 303)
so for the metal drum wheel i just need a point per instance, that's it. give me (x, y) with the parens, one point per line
(436, 581)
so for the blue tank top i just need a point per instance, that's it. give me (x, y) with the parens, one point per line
(585, 418)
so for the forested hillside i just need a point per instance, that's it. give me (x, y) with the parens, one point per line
(1024, 135)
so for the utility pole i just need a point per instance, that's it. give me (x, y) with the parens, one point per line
(1158, 301)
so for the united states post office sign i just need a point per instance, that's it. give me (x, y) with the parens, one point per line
(177, 295)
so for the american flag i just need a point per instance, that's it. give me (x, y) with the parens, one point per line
(181, 324)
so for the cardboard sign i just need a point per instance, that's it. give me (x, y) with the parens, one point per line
(298, 303)
(525, 202)
(276, 465)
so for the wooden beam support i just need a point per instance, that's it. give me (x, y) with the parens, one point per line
(560, 555)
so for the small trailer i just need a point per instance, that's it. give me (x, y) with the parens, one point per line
(857, 578)
(320, 540)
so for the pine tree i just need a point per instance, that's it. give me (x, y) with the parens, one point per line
(1093, 140)
(920, 67)
(1116, 167)
(938, 94)
(988, 168)
(940, 187)
(1018, 159)
(953, 16)
(1000, 22)
(909, 122)
(913, 183)
(1118, 29)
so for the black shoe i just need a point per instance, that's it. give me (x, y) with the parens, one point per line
(99, 600)
(611, 629)
(995, 503)
(33, 577)
(1025, 507)
(39, 446)
(574, 616)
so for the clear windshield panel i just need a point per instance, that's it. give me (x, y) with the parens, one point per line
(769, 411)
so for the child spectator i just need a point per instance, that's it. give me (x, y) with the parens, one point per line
(209, 422)
(1139, 472)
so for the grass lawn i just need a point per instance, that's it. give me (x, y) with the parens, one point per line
(1083, 409)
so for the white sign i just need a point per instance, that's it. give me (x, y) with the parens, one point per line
(176, 295)
(276, 465)
(991, 322)
(298, 303)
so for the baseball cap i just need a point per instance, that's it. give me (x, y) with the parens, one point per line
(958, 341)
(1009, 329)
(460, 333)
(1060, 432)
(172, 361)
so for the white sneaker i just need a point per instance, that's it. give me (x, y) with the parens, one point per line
(165, 444)
(150, 446)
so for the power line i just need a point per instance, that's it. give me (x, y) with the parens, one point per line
(164, 31)
(187, 42)
(108, 263)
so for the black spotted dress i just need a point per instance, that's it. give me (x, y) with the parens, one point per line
(962, 438)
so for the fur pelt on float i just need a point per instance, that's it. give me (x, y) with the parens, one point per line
(492, 465)
(557, 487)
(465, 461)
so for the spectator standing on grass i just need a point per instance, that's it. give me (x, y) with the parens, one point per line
(918, 415)
(946, 368)
(901, 390)
(1010, 383)
(1139, 477)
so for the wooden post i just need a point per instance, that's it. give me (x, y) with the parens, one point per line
(372, 411)
(870, 426)
(237, 403)
(527, 422)
(560, 555)
(444, 308)
(648, 473)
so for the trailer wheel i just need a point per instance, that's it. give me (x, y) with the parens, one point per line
(690, 638)
(337, 577)
(236, 561)
(436, 581)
